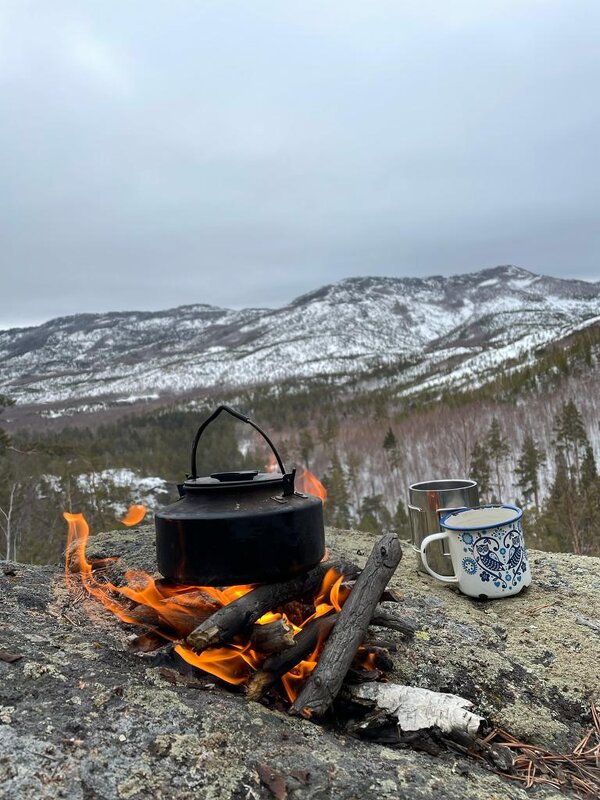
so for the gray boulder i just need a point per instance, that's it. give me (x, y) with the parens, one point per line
(81, 717)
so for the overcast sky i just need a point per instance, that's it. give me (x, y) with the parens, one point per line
(241, 153)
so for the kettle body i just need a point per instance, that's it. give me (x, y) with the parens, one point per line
(239, 527)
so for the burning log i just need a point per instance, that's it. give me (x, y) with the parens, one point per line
(277, 665)
(272, 637)
(317, 631)
(325, 681)
(178, 614)
(307, 640)
(242, 613)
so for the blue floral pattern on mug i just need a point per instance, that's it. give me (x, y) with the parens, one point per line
(469, 566)
(498, 555)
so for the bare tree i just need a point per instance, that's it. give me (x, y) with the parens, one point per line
(6, 518)
(464, 437)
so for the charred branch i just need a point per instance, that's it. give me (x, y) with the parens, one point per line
(325, 681)
(387, 619)
(272, 637)
(373, 641)
(276, 666)
(391, 596)
(242, 613)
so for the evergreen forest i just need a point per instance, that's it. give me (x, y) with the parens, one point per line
(529, 436)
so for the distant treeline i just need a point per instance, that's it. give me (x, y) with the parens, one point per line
(529, 435)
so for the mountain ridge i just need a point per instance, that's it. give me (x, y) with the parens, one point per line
(300, 298)
(476, 320)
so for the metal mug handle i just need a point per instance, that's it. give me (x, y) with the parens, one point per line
(412, 510)
(242, 418)
(434, 537)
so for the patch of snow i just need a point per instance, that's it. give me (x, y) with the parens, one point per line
(342, 330)
(491, 282)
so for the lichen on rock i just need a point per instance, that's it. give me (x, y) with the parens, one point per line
(82, 717)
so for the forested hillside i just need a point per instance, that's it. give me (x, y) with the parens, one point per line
(530, 435)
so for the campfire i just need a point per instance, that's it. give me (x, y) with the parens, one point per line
(296, 625)
(229, 632)
(272, 652)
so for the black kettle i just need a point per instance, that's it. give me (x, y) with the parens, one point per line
(238, 527)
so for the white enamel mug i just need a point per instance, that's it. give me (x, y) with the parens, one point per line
(487, 549)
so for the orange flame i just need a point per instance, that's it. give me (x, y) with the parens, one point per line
(173, 611)
(308, 483)
(232, 664)
(76, 561)
(368, 660)
(134, 515)
(268, 617)
(293, 680)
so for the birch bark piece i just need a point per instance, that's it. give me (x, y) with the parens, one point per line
(416, 709)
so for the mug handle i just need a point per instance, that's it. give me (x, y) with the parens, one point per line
(424, 544)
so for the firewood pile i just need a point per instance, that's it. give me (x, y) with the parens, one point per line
(271, 627)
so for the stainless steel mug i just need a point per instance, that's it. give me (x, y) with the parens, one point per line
(427, 503)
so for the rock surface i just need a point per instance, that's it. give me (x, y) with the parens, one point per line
(83, 718)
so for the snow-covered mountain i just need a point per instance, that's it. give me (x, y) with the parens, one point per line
(438, 330)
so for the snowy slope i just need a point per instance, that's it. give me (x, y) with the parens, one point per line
(475, 322)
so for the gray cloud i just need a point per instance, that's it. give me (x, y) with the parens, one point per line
(153, 154)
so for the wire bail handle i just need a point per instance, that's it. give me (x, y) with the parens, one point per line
(242, 418)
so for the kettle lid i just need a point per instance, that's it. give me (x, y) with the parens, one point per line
(241, 479)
